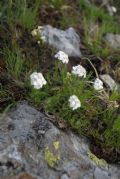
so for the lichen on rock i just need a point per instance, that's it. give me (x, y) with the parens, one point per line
(52, 156)
(97, 161)
(56, 144)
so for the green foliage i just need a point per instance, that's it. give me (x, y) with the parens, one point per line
(14, 62)
(54, 98)
(94, 36)
(21, 12)
(5, 98)
(96, 24)
(3, 114)
(28, 16)
(115, 95)
(4, 95)
(69, 17)
(116, 126)
(57, 3)
(112, 134)
(37, 96)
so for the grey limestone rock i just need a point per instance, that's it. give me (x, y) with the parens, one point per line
(107, 79)
(113, 40)
(67, 41)
(33, 147)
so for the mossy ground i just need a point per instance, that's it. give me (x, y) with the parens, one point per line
(20, 55)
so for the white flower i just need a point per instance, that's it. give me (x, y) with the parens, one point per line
(43, 38)
(79, 70)
(40, 27)
(62, 57)
(74, 102)
(98, 84)
(68, 74)
(37, 80)
(114, 9)
(34, 32)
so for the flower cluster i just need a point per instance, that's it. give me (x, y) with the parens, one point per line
(34, 32)
(98, 84)
(79, 71)
(37, 80)
(37, 33)
(62, 56)
(74, 102)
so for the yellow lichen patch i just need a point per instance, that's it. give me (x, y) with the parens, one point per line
(56, 144)
(97, 161)
(51, 158)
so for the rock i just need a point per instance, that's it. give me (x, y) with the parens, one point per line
(67, 41)
(99, 175)
(113, 40)
(64, 176)
(31, 147)
(111, 10)
(107, 79)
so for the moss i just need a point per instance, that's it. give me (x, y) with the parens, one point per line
(52, 156)
(97, 161)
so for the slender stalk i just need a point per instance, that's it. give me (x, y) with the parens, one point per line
(85, 58)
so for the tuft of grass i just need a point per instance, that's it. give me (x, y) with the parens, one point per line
(21, 12)
(14, 62)
(96, 23)
(57, 4)
(28, 16)
(69, 18)
(17, 66)
(3, 114)
(112, 133)
(5, 97)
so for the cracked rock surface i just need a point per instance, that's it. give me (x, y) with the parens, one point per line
(31, 147)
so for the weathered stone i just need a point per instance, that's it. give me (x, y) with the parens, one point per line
(32, 147)
(99, 175)
(67, 41)
(64, 176)
(107, 79)
(113, 40)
